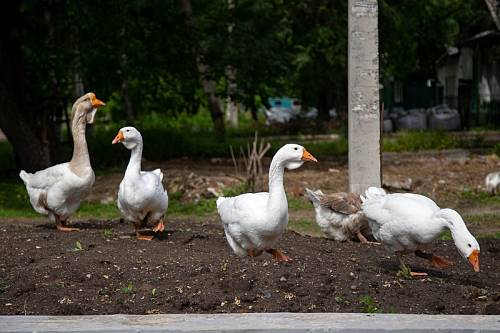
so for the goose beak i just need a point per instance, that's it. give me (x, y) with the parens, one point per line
(96, 103)
(118, 138)
(474, 260)
(306, 156)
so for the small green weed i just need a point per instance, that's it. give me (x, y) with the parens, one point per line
(129, 289)
(78, 246)
(341, 300)
(154, 292)
(368, 304)
(3, 286)
(404, 272)
(107, 233)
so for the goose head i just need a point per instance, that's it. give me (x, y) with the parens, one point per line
(293, 156)
(129, 136)
(467, 245)
(86, 106)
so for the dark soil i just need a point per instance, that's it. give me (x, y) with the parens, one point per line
(190, 269)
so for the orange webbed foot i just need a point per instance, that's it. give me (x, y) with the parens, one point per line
(418, 274)
(279, 256)
(159, 227)
(440, 262)
(143, 237)
(62, 227)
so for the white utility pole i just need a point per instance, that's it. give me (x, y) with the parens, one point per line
(363, 82)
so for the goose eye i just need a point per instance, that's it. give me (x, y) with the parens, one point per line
(296, 148)
(128, 130)
(469, 245)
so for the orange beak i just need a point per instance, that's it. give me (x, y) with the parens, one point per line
(118, 138)
(474, 260)
(306, 156)
(95, 102)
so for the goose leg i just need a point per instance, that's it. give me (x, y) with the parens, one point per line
(62, 226)
(278, 255)
(405, 267)
(436, 261)
(362, 239)
(160, 226)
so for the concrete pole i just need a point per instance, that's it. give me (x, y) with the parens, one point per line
(363, 92)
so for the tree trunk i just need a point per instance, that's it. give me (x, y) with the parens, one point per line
(20, 127)
(208, 84)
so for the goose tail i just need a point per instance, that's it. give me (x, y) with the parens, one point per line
(313, 195)
(373, 193)
(25, 176)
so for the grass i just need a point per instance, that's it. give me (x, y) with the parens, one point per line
(419, 140)
(480, 197)
(305, 226)
(298, 203)
(14, 203)
(200, 208)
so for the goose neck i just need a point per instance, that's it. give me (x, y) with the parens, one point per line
(80, 159)
(134, 164)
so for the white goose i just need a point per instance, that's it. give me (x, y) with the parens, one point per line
(253, 222)
(491, 182)
(406, 222)
(339, 215)
(142, 199)
(58, 190)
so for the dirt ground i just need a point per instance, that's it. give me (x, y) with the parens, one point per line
(189, 268)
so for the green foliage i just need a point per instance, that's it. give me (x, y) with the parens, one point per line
(7, 162)
(368, 304)
(129, 289)
(496, 149)
(14, 200)
(413, 34)
(146, 52)
(154, 293)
